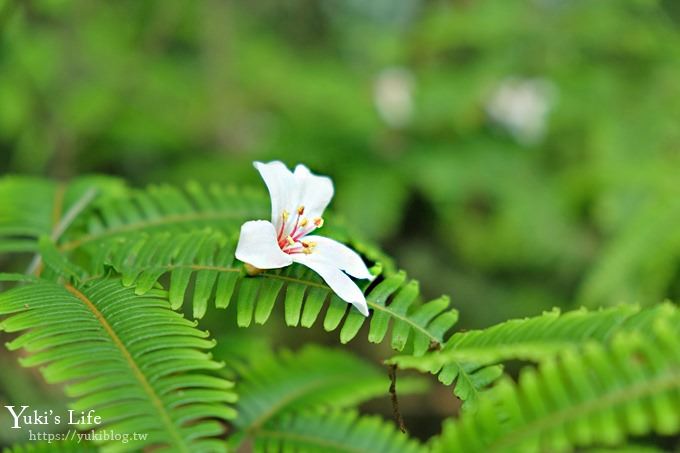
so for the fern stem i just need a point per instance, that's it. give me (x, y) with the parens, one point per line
(392, 372)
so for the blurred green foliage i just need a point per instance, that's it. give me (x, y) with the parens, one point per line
(392, 99)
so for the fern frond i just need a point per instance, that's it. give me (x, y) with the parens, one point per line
(627, 448)
(139, 364)
(533, 339)
(209, 256)
(52, 447)
(538, 337)
(165, 208)
(311, 378)
(336, 431)
(596, 395)
(33, 207)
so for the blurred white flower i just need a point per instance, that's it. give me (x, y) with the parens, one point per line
(522, 107)
(298, 200)
(393, 96)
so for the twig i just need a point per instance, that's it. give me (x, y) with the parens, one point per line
(392, 371)
(64, 223)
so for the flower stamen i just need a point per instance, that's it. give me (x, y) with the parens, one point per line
(298, 220)
(293, 242)
(284, 219)
(316, 223)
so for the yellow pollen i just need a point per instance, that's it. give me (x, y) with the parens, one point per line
(290, 240)
(308, 245)
(307, 251)
(304, 222)
(285, 215)
(318, 222)
(301, 210)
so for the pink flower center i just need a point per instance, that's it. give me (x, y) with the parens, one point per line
(291, 238)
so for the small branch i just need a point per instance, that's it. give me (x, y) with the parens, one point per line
(64, 223)
(73, 212)
(392, 372)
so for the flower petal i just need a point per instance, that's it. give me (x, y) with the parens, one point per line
(313, 192)
(257, 246)
(344, 257)
(281, 185)
(338, 281)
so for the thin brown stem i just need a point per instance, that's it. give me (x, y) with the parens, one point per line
(392, 372)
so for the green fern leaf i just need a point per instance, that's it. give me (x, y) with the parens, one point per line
(139, 364)
(628, 448)
(628, 269)
(533, 339)
(337, 432)
(165, 208)
(52, 447)
(208, 257)
(309, 379)
(595, 395)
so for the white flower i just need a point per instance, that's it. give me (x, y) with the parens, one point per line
(393, 96)
(522, 107)
(298, 201)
